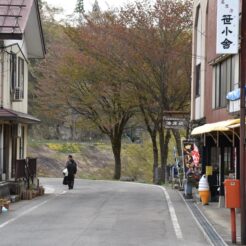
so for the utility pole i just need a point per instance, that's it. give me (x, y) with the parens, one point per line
(242, 124)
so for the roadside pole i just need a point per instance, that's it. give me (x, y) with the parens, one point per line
(242, 124)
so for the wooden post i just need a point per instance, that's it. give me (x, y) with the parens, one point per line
(242, 125)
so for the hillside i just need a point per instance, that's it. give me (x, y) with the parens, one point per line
(95, 160)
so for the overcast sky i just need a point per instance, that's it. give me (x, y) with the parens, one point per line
(69, 5)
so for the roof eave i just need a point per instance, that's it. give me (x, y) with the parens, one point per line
(12, 36)
(41, 28)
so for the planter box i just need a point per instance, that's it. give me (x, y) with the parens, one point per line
(26, 195)
(41, 190)
(34, 193)
(4, 203)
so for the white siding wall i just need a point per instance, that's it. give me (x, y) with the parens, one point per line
(8, 103)
(236, 78)
(1, 148)
(20, 106)
(198, 108)
(198, 48)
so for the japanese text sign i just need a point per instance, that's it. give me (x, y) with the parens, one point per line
(227, 26)
(174, 123)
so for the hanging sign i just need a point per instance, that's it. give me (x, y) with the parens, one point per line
(209, 170)
(191, 157)
(227, 26)
(174, 123)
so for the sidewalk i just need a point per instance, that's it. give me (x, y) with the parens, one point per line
(220, 219)
(217, 218)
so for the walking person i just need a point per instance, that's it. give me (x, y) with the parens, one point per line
(71, 166)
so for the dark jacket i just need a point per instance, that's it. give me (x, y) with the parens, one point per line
(71, 167)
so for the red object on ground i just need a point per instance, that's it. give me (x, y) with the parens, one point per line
(233, 226)
(232, 201)
(232, 193)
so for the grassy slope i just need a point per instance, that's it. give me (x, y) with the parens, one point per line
(95, 160)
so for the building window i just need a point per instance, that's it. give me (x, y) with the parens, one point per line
(12, 69)
(20, 82)
(22, 143)
(17, 77)
(224, 79)
(198, 79)
(228, 164)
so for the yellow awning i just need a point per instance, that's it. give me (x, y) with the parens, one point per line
(215, 127)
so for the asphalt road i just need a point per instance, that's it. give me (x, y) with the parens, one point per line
(100, 213)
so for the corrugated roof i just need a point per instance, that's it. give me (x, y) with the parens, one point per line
(13, 17)
(8, 114)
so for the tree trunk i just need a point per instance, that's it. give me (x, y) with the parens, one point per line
(155, 157)
(116, 147)
(58, 132)
(166, 144)
(165, 152)
(162, 154)
(152, 132)
(176, 135)
(72, 132)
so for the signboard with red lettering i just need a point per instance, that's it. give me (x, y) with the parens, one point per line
(227, 26)
(191, 157)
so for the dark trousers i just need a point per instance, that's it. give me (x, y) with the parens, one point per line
(70, 181)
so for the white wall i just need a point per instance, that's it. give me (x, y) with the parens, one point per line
(199, 57)
(1, 148)
(8, 103)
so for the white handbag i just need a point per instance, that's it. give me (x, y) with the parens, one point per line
(65, 172)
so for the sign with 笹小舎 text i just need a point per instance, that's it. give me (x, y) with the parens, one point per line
(227, 26)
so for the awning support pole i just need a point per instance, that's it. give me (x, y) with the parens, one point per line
(213, 138)
(230, 140)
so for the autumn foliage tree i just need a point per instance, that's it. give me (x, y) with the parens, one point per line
(116, 63)
(157, 57)
(87, 83)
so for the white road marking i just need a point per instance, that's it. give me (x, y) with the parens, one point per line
(49, 189)
(22, 214)
(173, 215)
(32, 208)
(61, 193)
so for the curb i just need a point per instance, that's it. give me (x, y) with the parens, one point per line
(207, 237)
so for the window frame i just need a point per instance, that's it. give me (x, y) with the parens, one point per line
(13, 71)
(22, 143)
(21, 76)
(17, 76)
(224, 75)
(198, 80)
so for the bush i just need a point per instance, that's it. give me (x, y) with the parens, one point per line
(65, 147)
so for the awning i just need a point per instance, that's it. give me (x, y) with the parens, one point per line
(19, 117)
(213, 127)
(234, 126)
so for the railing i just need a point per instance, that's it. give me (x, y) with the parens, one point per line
(234, 106)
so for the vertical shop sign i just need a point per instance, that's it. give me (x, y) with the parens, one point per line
(227, 26)
(191, 157)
